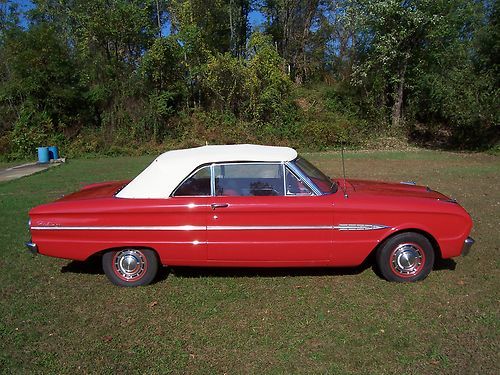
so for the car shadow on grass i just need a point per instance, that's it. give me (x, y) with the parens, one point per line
(444, 264)
(93, 267)
(235, 272)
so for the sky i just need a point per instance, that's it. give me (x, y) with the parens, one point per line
(23, 4)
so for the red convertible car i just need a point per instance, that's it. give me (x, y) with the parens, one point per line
(249, 206)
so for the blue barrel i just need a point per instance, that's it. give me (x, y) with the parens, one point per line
(43, 154)
(53, 152)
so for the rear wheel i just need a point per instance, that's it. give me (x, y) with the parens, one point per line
(405, 257)
(130, 267)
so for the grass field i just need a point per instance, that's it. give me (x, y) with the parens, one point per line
(58, 316)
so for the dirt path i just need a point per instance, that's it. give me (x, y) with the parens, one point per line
(27, 169)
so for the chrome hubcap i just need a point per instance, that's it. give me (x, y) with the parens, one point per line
(407, 259)
(129, 264)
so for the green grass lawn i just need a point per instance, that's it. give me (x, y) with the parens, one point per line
(57, 316)
(8, 164)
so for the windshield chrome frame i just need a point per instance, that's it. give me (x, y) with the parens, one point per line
(299, 173)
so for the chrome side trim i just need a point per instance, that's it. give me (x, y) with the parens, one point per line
(271, 227)
(146, 228)
(340, 227)
(408, 182)
(343, 227)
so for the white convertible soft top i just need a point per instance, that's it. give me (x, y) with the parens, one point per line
(168, 170)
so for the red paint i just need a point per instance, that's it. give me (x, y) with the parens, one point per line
(100, 190)
(401, 207)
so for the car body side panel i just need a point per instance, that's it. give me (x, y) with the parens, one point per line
(175, 228)
(271, 229)
(445, 222)
(250, 231)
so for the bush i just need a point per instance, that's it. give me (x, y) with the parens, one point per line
(266, 83)
(31, 130)
(224, 79)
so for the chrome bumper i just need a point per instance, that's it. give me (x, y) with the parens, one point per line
(32, 247)
(467, 245)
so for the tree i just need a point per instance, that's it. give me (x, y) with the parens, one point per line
(392, 32)
(104, 70)
(224, 79)
(42, 91)
(401, 41)
(267, 86)
(238, 25)
(289, 22)
(222, 26)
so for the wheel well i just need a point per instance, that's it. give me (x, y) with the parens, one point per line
(101, 252)
(432, 240)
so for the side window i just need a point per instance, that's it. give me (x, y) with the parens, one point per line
(197, 184)
(249, 179)
(294, 186)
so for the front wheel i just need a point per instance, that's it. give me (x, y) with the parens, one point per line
(406, 257)
(130, 267)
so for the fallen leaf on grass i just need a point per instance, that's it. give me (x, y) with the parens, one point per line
(153, 304)
(107, 338)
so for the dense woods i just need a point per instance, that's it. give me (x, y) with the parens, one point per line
(129, 76)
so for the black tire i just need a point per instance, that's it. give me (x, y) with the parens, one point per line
(130, 267)
(406, 257)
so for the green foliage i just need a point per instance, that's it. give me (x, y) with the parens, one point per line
(267, 84)
(462, 100)
(257, 88)
(487, 44)
(162, 64)
(31, 130)
(102, 76)
(330, 117)
(224, 78)
(41, 71)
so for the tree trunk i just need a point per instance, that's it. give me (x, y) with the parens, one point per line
(232, 42)
(158, 18)
(398, 95)
(243, 26)
(310, 12)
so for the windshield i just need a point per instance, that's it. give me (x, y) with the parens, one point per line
(321, 180)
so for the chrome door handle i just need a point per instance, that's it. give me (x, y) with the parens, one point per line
(219, 205)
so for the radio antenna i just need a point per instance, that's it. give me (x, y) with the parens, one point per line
(343, 169)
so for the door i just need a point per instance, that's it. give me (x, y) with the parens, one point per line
(184, 217)
(259, 217)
